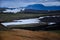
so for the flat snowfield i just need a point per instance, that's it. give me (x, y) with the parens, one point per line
(18, 34)
(22, 22)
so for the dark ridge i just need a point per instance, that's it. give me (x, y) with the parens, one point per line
(51, 19)
(2, 27)
(43, 27)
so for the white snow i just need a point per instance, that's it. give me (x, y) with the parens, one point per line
(27, 20)
(51, 23)
(21, 22)
(14, 10)
(41, 17)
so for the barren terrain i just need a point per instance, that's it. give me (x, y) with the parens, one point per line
(19, 34)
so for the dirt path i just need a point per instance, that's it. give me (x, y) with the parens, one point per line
(28, 35)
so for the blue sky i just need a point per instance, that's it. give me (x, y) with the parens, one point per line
(23, 3)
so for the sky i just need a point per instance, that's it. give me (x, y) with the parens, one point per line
(24, 3)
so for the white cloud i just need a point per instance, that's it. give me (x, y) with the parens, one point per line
(20, 3)
(51, 4)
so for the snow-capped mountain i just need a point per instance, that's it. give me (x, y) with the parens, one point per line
(13, 10)
(33, 8)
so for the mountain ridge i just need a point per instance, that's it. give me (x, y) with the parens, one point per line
(42, 7)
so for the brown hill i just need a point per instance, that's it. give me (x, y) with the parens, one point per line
(18, 34)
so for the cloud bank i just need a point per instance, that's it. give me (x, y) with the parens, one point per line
(23, 3)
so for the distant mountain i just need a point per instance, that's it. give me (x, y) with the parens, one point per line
(36, 8)
(11, 10)
(7, 8)
(42, 7)
(34, 11)
(39, 8)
